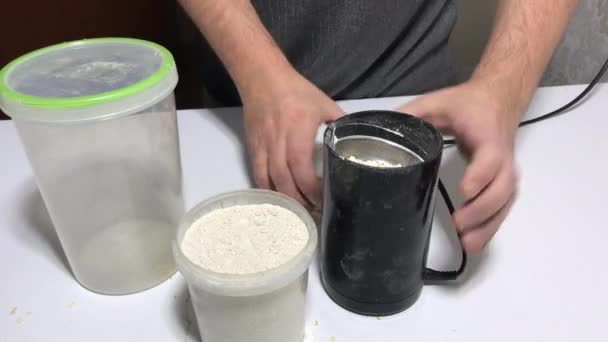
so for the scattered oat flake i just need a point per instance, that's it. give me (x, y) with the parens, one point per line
(29, 313)
(316, 323)
(19, 321)
(333, 339)
(14, 311)
(72, 305)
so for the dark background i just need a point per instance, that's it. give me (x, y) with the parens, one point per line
(27, 25)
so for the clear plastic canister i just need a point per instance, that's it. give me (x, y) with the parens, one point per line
(97, 121)
(267, 306)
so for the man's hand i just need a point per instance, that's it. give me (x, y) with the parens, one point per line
(281, 122)
(483, 124)
(282, 110)
(483, 113)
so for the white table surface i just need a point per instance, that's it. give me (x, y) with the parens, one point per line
(543, 278)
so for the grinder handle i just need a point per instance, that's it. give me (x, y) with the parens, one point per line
(432, 276)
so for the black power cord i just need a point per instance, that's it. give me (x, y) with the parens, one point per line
(432, 276)
(559, 111)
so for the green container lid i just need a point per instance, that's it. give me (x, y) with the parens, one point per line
(88, 79)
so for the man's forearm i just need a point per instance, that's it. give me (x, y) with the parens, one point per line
(523, 39)
(237, 35)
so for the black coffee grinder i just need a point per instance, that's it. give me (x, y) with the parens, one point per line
(380, 175)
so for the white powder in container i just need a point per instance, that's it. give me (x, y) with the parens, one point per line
(373, 163)
(242, 240)
(245, 239)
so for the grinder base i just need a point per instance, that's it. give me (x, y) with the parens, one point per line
(370, 309)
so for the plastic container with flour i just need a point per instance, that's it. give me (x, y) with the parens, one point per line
(97, 121)
(264, 306)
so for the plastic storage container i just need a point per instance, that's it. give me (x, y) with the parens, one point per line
(97, 121)
(266, 306)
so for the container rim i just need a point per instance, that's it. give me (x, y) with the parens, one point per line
(361, 118)
(252, 284)
(165, 68)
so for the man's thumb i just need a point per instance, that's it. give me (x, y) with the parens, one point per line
(333, 115)
(429, 108)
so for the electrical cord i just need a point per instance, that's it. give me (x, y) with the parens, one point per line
(561, 110)
(430, 275)
(450, 142)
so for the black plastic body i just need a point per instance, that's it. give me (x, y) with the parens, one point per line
(377, 221)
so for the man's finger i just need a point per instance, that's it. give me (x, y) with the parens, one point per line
(279, 171)
(333, 113)
(430, 108)
(489, 201)
(300, 159)
(259, 163)
(260, 170)
(483, 168)
(475, 240)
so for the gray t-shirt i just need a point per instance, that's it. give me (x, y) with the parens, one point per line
(356, 48)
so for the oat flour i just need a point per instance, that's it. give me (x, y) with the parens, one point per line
(245, 239)
(373, 163)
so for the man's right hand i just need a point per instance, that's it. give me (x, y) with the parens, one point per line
(281, 122)
(282, 109)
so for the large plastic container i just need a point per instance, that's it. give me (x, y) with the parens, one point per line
(97, 121)
(266, 306)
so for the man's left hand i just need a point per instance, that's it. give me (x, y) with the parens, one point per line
(483, 121)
